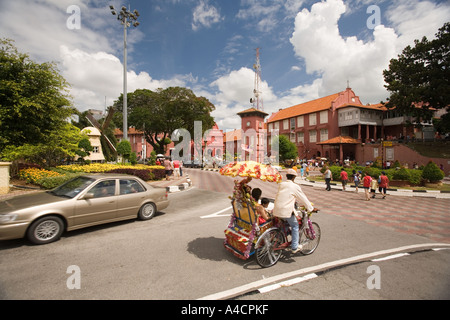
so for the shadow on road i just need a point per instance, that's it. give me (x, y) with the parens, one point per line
(211, 248)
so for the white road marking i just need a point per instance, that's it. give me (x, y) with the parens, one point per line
(256, 285)
(218, 214)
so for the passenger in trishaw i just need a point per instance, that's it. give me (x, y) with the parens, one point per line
(261, 208)
(248, 221)
(284, 208)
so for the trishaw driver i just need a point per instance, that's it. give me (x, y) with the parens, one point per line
(288, 193)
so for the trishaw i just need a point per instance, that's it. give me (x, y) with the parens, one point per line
(245, 236)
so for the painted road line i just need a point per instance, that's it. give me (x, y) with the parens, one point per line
(217, 214)
(394, 256)
(256, 285)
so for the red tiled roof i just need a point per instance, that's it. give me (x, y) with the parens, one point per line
(340, 140)
(305, 108)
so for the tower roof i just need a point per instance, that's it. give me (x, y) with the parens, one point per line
(251, 111)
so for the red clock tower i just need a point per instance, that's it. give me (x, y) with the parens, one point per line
(254, 135)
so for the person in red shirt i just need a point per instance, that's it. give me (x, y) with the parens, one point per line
(366, 185)
(344, 178)
(383, 184)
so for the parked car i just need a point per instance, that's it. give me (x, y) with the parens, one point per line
(81, 202)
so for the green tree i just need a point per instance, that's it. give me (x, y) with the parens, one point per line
(60, 143)
(421, 75)
(34, 100)
(85, 148)
(287, 149)
(159, 113)
(124, 149)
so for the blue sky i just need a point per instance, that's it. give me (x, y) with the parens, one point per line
(308, 49)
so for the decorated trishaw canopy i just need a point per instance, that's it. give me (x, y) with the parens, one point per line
(251, 169)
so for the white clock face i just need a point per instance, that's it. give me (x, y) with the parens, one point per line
(248, 123)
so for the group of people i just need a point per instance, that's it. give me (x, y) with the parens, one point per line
(172, 168)
(369, 183)
(284, 207)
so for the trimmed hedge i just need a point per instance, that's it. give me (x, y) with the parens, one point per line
(413, 176)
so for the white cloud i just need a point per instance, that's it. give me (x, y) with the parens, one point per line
(414, 19)
(94, 76)
(234, 92)
(205, 15)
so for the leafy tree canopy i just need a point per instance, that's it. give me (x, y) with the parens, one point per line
(34, 101)
(159, 113)
(419, 79)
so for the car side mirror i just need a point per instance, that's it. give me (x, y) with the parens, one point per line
(88, 196)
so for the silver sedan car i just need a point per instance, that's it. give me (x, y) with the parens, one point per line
(81, 202)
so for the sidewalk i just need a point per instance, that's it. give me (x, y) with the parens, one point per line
(396, 192)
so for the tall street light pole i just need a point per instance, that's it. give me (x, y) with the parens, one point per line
(127, 18)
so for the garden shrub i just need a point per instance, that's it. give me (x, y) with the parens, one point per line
(432, 173)
(140, 173)
(415, 177)
(401, 174)
(53, 182)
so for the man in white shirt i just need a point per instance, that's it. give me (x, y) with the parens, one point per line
(288, 193)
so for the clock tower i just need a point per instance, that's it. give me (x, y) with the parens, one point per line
(253, 139)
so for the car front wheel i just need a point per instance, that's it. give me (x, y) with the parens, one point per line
(147, 211)
(45, 230)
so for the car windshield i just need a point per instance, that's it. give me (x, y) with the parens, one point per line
(73, 187)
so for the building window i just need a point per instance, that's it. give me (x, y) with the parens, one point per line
(312, 119)
(300, 122)
(312, 136)
(323, 134)
(292, 120)
(324, 116)
(285, 124)
(292, 137)
(300, 137)
(271, 126)
(276, 125)
(95, 150)
(349, 115)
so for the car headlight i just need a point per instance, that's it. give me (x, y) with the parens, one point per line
(4, 218)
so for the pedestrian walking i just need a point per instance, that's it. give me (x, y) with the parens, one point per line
(373, 187)
(367, 180)
(356, 179)
(176, 168)
(327, 175)
(168, 168)
(344, 178)
(383, 184)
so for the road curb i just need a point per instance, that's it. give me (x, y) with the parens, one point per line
(402, 192)
(180, 187)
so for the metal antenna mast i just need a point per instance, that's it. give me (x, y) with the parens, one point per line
(257, 99)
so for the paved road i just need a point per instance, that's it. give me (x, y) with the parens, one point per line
(421, 215)
(179, 254)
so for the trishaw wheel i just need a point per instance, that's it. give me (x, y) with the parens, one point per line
(267, 248)
(310, 240)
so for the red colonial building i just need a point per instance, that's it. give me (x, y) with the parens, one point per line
(340, 127)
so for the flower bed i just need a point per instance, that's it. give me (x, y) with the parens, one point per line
(50, 179)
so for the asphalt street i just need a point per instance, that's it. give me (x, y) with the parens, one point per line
(179, 254)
